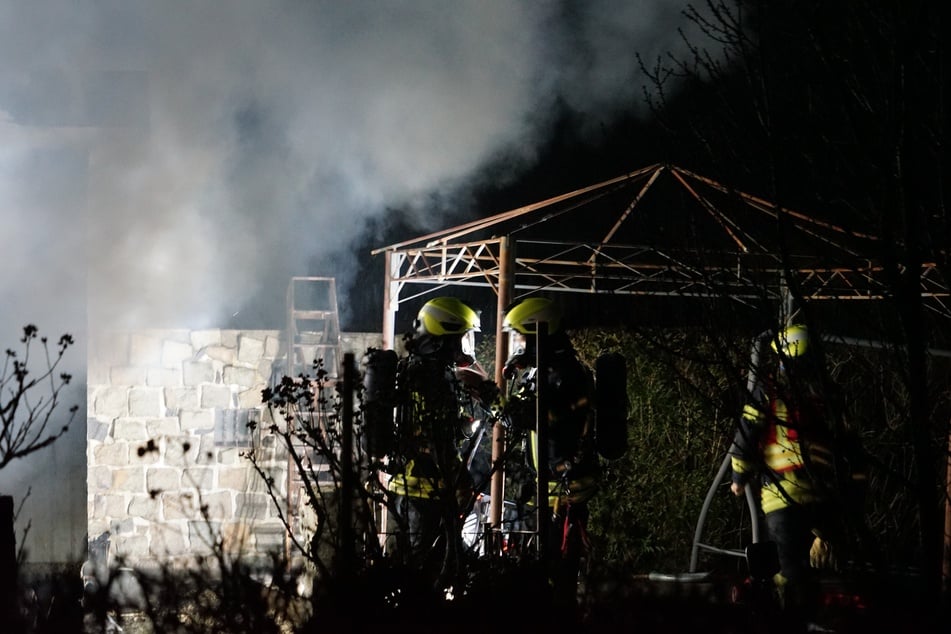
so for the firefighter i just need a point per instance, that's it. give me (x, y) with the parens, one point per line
(569, 457)
(782, 442)
(425, 475)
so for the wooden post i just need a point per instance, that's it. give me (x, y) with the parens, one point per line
(543, 520)
(946, 567)
(391, 299)
(345, 528)
(497, 484)
(8, 561)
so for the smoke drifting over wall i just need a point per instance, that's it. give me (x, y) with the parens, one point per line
(173, 164)
(175, 160)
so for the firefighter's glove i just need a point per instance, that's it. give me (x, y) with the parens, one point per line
(488, 393)
(515, 364)
(822, 555)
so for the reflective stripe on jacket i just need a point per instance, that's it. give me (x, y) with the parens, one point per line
(560, 489)
(407, 482)
(786, 481)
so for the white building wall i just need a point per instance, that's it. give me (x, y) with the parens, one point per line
(164, 441)
(165, 433)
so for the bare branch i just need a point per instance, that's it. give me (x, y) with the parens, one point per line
(28, 402)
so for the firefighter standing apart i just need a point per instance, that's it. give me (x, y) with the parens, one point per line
(782, 442)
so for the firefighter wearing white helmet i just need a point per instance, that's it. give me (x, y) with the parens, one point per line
(436, 385)
(781, 443)
(570, 458)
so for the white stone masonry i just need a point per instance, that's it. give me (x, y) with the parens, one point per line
(166, 478)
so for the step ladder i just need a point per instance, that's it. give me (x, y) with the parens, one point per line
(313, 333)
(313, 327)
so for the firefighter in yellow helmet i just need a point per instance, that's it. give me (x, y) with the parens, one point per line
(781, 443)
(570, 458)
(426, 476)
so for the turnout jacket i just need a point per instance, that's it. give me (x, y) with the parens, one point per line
(574, 469)
(779, 439)
(431, 415)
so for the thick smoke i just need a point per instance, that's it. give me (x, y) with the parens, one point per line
(173, 164)
(212, 150)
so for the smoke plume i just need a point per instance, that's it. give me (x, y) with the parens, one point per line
(172, 164)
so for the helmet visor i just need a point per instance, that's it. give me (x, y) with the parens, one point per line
(517, 343)
(468, 343)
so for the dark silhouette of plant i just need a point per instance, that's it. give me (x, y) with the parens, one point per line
(27, 419)
(218, 590)
(315, 421)
(29, 403)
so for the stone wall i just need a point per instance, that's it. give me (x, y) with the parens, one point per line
(166, 430)
(165, 471)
